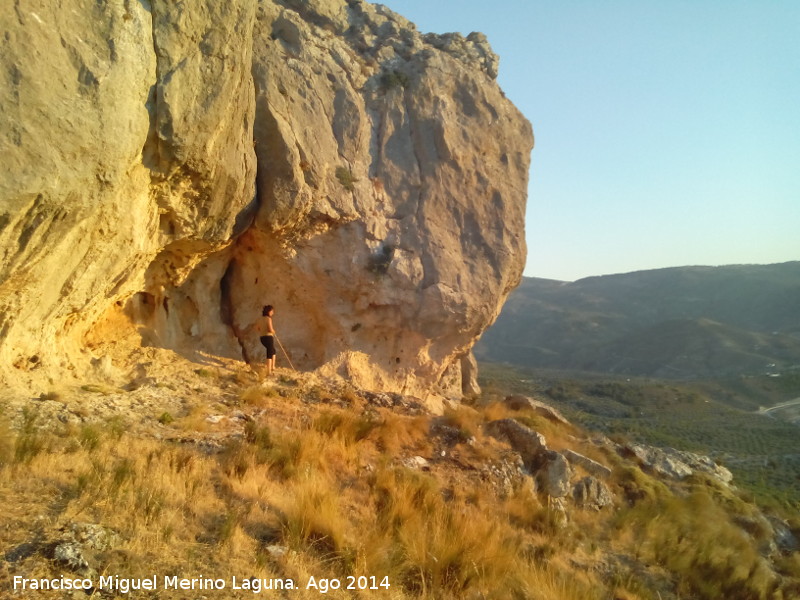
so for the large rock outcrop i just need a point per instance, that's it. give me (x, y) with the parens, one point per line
(172, 168)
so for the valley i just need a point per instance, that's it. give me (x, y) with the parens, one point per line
(720, 418)
(683, 323)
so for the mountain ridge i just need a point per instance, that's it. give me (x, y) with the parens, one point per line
(684, 322)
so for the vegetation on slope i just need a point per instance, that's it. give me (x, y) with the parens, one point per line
(718, 418)
(304, 479)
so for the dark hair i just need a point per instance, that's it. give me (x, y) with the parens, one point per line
(266, 310)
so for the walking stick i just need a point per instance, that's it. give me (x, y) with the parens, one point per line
(289, 360)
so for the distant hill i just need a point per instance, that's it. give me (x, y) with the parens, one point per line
(683, 322)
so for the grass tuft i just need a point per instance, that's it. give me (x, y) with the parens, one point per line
(29, 442)
(346, 178)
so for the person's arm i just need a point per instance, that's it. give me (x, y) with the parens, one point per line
(269, 329)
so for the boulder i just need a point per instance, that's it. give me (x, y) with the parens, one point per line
(203, 160)
(785, 540)
(703, 464)
(128, 158)
(590, 492)
(550, 469)
(507, 475)
(417, 463)
(554, 474)
(70, 555)
(77, 549)
(519, 402)
(530, 444)
(591, 466)
(677, 464)
(659, 461)
(382, 159)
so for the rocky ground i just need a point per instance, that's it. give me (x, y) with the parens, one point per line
(197, 468)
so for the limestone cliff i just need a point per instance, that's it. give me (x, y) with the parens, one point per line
(170, 168)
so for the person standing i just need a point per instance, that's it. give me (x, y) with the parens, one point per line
(267, 331)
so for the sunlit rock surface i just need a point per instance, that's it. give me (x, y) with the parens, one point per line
(171, 170)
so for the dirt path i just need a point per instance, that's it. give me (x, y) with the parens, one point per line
(781, 406)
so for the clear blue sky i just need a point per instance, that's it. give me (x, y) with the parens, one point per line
(667, 133)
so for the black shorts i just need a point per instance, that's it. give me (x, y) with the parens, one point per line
(269, 343)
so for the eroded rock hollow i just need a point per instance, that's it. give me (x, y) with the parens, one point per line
(171, 168)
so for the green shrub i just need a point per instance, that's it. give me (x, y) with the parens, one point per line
(257, 435)
(117, 427)
(89, 437)
(29, 442)
(390, 80)
(346, 178)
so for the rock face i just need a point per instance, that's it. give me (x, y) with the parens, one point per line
(128, 160)
(169, 170)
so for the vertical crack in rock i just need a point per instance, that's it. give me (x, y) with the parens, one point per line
(247, 216)
(428, 269)
(150, 151)
(376, 142)
(245, 221)
(18, 10)
(258, 201)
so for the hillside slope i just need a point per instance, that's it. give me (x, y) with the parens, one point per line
(688, 322)
(205, 474)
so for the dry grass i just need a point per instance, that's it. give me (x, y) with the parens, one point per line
(312, 519)
(493, 411)
(395, 434)
(326, 486)
(257, 396)
(193, 419)
(695, 539)
(433, 548)
(302, 492)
